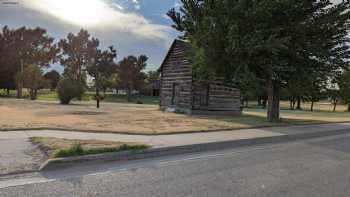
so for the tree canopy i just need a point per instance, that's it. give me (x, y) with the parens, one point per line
(101, 69)
(344, 87)
(77, 52)
(21, 47)
(270, 39)
(130, 72)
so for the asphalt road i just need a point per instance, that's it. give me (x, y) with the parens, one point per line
(318, 167)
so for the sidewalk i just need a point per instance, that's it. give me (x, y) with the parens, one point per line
(161, 141)
(14, 146)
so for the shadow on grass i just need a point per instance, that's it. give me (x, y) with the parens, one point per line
(150, 100)
(247, 120)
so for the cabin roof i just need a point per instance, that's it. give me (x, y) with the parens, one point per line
(183, 45)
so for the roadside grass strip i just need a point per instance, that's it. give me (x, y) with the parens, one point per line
(60, 148)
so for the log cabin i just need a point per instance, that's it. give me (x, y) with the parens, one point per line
(181, 92)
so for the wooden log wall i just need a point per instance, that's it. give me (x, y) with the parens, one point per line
(223, 98)
(176, 70)
(190, 96)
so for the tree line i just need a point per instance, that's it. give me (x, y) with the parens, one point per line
(26, 52)
(300, 46)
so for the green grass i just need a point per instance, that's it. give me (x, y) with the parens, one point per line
(77, 150)
(13, 94)
(58, 148)
(253, 119)
(301, 116)
(152, 100)
(47, 95)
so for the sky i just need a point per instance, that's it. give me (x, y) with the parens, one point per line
(133, 27)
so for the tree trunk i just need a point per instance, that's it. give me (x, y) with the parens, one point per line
(273, 111)
(31, 94)
(20, 83)
(291, 103)
(294, 101)
(129, 94)
(8, 91)
(312, 105)
(19, 91)
(349, 106)
(299, 103)
(97, 97)
(264, 103)
(259, 101)
(242, 101)
(335, 105)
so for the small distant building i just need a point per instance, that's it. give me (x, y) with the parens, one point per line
(151, 89)
(156, 88)
(180, 92)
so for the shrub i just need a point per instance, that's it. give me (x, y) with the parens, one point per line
(74, 150)
(77, 150)
(68, 89)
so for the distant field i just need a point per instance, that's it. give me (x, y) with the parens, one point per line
(322, 106)
(47, 95)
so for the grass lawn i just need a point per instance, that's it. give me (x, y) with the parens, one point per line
(141, 119)
(47, 95)
(303, 117)
(150, 100)
(56, 147)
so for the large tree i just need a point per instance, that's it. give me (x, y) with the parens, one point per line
(6, 75)
(152, 76)
(77, 52)
(32, 79)
(101, 69)
(271, 39)
(25, 46)
(130, 72)
(344, 88)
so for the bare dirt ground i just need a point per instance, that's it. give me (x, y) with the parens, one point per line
(111, 117)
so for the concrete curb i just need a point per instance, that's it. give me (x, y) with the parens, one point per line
(52, 164)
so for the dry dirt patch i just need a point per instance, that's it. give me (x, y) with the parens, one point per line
(111, 117)
(139, 119)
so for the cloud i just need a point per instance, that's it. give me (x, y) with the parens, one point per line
(117, 6)
(100, 15)
(137, 5)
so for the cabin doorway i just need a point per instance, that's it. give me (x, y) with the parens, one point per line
(175, 94)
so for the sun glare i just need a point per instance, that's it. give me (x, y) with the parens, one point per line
(78, 12)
